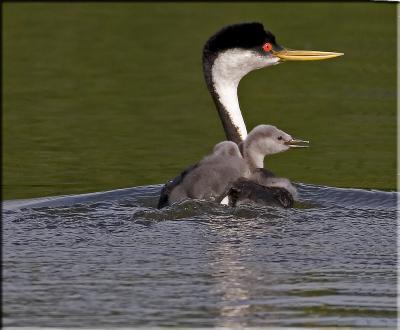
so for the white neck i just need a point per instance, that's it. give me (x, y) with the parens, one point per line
(227, 94)
(228, 69)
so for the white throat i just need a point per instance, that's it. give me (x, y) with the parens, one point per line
(228, 68)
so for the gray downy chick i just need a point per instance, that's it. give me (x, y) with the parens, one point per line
(261, 186)
(210, 178)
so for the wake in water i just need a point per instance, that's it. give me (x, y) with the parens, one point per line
(147, 196)
(113, 259)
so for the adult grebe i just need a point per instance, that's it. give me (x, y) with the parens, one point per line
(228, 56)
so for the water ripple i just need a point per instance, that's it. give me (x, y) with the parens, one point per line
(113, 259)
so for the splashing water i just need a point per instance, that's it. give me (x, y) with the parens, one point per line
(113, 259)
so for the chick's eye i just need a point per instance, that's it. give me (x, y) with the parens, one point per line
(267, 47)
(280, 137)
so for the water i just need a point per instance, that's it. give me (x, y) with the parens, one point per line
(113, 95)
(112, 259)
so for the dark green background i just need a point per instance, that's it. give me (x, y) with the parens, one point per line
(104, 96)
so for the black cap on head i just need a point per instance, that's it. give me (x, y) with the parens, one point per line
(243, 35)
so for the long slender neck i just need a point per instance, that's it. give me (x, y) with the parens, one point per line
(227, 102)
(223, 71)
(223, 86)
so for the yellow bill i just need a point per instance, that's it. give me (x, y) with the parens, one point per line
(305, 55)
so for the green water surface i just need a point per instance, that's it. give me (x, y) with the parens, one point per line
(99, 96)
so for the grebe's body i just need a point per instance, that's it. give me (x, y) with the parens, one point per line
(228, 56)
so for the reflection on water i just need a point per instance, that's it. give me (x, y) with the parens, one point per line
(112, 259)
(234, 290)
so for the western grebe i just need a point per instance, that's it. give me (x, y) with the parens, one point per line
(262, 186)
(228, 56)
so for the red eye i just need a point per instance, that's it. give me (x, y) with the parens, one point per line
(267, 47)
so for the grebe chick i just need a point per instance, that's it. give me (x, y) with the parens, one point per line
(209, 178)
